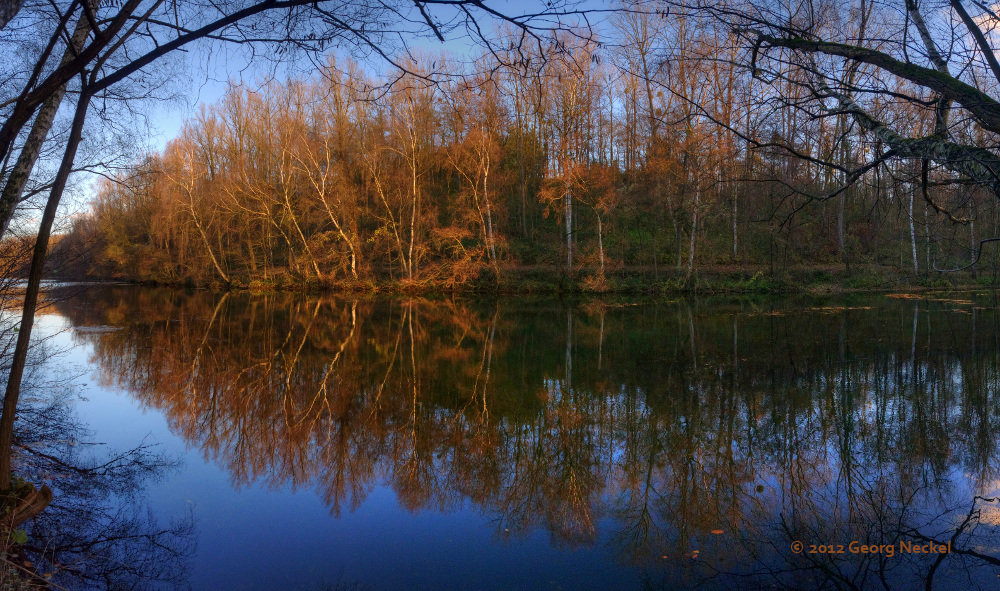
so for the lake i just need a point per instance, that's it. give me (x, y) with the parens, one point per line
(291, 441)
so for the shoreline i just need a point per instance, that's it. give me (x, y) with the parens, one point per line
(714, 280)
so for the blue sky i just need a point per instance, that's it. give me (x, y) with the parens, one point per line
(211, 72)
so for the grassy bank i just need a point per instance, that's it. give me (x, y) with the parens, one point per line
(16, 571)
(719, 279)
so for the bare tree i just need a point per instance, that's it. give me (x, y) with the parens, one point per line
(125, 39)
(932, 57)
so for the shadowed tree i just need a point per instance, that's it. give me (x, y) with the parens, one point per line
(828, 62)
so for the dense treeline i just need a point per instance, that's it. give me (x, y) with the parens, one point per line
(653, 152)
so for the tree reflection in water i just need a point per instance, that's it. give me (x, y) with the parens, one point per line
(97, 532)
(770, 421)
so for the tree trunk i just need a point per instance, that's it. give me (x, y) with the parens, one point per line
(972, 246)
(491, 240)
(840, 228)
(19, 175)
(413, 216)
(735, 236)
(520, 164)
(694, 229)
(13, 390)
(927, 237)
(600, 244)
(913, 238)
(569, 225)
(204, 238)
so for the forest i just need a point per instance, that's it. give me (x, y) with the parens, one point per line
(449, 153)
(652, 152)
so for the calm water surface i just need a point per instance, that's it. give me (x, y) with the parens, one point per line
(328, 443)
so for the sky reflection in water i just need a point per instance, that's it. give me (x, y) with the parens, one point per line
(520, 444)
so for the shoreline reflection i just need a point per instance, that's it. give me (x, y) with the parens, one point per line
(708, 437)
